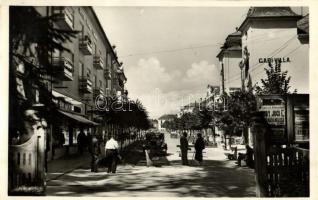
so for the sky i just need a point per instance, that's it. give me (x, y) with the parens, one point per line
(169, 53)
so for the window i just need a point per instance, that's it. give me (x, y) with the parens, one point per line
(100, 84)
(81, 69)
(100, 53)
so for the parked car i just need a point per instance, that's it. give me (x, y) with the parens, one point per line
(155, 141)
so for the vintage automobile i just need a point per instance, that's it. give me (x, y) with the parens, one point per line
(155, 142)
(173, 134)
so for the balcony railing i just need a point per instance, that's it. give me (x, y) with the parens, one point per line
(98, 62)
(86, 45)
(98, 91)
(63, 68)
(64, 18)
(85, 84)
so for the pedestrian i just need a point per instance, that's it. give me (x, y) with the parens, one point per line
(81, 141)
(184, 145)
(112, 154)
(95, 151)
(87, 141)
(199, 146)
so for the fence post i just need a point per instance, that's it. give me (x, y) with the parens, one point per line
(259, 130)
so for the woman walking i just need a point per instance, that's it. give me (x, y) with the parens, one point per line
(199, 146)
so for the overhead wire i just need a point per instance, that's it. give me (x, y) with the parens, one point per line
(255, 66)
(261, 71)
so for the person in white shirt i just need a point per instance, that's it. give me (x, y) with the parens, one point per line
(112, 154)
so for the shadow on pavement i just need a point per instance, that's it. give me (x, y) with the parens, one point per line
(212, 179)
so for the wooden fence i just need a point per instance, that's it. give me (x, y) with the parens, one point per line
(287, 172)
(280, 171)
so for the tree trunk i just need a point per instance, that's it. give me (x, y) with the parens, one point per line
(245, 134)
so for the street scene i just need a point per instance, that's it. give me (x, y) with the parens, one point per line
(159, 101)
(171, 178)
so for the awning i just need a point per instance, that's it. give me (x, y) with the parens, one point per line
(79, 118)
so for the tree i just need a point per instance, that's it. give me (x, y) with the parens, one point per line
(276, 82)
(236, 119)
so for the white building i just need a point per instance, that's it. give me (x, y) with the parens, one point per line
(274, 33)
(229, 59)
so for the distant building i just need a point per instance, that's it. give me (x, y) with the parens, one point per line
(229, 59)
(163, 118)
(213, 92)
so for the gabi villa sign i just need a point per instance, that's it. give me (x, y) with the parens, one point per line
(271, 60)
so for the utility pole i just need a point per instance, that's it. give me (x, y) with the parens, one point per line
(222, 75)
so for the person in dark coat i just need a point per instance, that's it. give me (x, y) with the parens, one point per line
(95, 151)
(81, 141)
(199, 146)
(184, 145)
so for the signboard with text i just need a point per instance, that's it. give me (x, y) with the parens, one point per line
(287, 116)
(274, 109)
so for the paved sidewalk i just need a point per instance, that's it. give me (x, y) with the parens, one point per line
(66, 164)
(217, 177)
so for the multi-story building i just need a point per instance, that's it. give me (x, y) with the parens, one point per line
(271, 34)
(229, 60)
(91, 69)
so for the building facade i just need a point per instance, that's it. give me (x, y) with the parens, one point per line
(271, 34)
(89, 70)
(229, 60)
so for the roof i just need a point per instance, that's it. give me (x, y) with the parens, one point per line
(232, 43)
(271, 12)
(268, 12)
(167, 116)
(303, 24)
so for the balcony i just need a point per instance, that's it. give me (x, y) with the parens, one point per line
(98, 91)
(107, 74)
(85, 84)
(64, 18)
(98, 62)
(85, 45)
(63, 68)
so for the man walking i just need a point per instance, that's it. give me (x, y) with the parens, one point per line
(184, 148)
(112, 153)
